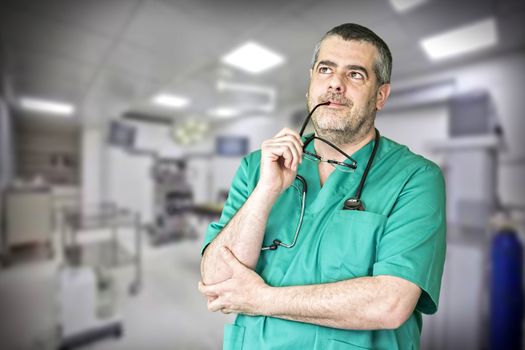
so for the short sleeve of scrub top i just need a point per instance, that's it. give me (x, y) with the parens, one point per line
(413, 244)
(236, 197)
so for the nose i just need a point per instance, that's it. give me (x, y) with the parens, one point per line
(337, 83)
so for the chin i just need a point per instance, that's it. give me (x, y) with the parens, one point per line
(331, 122)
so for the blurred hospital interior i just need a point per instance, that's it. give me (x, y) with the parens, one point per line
(122, 124)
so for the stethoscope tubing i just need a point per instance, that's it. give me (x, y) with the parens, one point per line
(277, 242)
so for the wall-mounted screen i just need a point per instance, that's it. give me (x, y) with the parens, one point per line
(231, 146)
(121, 134)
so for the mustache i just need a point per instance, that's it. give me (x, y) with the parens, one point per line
(337, 98)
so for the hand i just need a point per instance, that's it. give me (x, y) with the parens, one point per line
(280, 157)
(243, 293)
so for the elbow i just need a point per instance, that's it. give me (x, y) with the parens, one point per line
(395, 313)
(204, 275)
(213, 269)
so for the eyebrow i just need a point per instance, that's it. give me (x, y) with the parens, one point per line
(349, 67)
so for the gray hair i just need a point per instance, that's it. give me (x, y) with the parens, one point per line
(352, 31)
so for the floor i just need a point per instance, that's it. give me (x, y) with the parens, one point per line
(167, 313)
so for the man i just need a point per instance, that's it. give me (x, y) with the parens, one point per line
(317, 254)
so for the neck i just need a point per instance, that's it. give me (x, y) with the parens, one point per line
(328, 152)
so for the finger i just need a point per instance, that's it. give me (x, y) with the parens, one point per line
(211, 290)
(296, 151)
(282, 151)
(294, 143)
(202, 288)
(291, 134)
(215, 305)
(288, 131)
(226, 311)
(295, 158)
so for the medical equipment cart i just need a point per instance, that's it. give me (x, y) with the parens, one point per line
(94, 250)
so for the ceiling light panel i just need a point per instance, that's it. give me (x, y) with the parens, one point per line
(406, 5)
(170, 101)
(46, 106)
(223, 112)
(459, 41)
(253, 58)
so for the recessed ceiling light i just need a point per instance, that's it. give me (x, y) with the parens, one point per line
(253, 58)
(46, 106)
(170, 101)
(472, 37)
(406, 5)
(223, 112)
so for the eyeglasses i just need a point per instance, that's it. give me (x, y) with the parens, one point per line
(341, 166)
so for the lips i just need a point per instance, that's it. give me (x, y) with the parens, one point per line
(336, 104)
(335, 100)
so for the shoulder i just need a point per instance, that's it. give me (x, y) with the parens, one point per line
(252, 161)
(404, 161)
(248, 171)
(408, 174)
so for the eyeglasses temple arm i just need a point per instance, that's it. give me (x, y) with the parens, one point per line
(309, 116)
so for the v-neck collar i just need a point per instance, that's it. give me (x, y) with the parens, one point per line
(338, 182)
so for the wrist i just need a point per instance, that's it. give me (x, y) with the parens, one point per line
(268, 193)
(267, 301)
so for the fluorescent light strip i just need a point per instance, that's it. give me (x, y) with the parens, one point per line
(406, 5)
(46, 106)
(253, 58)
(170, 101)
(469, 38)
(256, 89)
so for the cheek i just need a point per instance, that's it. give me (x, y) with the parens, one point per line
(313, 91)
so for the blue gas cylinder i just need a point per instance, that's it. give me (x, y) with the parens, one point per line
(506, 291)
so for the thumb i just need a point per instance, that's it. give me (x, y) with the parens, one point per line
(229, 258)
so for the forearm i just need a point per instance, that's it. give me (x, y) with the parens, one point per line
(360, 303)
(243, 236)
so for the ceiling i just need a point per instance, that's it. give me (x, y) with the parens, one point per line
(111, 57)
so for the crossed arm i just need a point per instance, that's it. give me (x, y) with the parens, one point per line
(381, 302)
(231, 285)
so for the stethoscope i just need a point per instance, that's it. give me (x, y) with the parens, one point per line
(353, 203)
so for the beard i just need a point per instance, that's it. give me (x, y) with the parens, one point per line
(348, 125)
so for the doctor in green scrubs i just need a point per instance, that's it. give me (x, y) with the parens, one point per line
(306, 256)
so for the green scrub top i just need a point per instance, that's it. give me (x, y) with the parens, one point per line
(401, 233)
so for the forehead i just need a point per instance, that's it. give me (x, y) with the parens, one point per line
(345, 52)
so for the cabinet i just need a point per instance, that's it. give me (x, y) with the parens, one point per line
(28, 216)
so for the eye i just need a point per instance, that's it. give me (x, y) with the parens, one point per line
(324, 70)
(356, 75)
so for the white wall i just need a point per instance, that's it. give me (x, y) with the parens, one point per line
(415, 128)
(128, 181)
(93, 143)
(6, 158)
(6, 146)
(504, 78)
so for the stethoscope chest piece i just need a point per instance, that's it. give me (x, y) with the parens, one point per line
(353, 204)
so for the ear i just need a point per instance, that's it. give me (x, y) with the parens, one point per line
(382, 95)
(309, 82)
